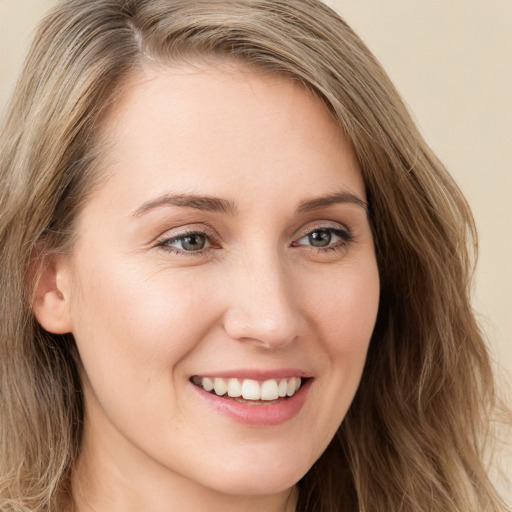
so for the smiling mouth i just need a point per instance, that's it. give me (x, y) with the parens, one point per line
(250, 391)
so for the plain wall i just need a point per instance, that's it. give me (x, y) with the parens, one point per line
(452, 62)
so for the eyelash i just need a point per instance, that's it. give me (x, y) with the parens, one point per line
(209, 235)
(345, 238)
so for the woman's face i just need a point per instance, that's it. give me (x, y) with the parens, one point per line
(228, 247)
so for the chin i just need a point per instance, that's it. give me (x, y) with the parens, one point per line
(260, 484)
(264, 476)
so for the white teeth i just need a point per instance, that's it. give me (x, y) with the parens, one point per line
(234, 388)
(269, 390)
(291, 387)
(283, 388)
(220, 387)
(250, 389)
(207, 384)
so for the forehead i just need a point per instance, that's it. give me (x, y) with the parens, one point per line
(215, 127)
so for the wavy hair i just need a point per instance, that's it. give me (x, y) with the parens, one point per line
(414, 438)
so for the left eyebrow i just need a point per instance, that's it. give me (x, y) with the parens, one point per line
(205, 203)
(322, 202)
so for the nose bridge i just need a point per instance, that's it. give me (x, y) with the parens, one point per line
(263, 306)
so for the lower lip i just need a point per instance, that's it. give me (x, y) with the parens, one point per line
(257, 415)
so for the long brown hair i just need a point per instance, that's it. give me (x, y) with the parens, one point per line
(414, 438)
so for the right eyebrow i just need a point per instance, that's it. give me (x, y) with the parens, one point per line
(323, 201)
(204, 203)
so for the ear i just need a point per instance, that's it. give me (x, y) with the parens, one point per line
(51, 298)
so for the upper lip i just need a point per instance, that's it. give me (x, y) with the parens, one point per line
(258, 374)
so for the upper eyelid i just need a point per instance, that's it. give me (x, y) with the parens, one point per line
(208, 231)
(322, 225)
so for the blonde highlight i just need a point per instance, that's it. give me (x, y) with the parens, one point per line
(416, 435)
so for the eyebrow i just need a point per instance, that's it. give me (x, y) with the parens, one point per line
(322, 202)
(216, 204)
(204, 203)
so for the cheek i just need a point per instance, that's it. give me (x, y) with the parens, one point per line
(133, 331)
(343, 315)
(344, 310)
(132, 326)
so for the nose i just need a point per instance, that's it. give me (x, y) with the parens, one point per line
(263, 304)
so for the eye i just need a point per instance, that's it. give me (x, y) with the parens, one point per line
(187, 243)
(325, 238)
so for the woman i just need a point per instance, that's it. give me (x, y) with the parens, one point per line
(235, 277)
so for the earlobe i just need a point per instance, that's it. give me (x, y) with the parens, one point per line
(51, 301)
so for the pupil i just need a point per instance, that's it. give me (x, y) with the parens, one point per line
(193, 242)
(320, 238)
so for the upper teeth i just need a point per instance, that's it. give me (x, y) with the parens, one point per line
(250, 389)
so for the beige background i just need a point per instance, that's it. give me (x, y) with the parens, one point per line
(452, 62)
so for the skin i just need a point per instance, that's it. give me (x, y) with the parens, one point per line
(147, 315)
